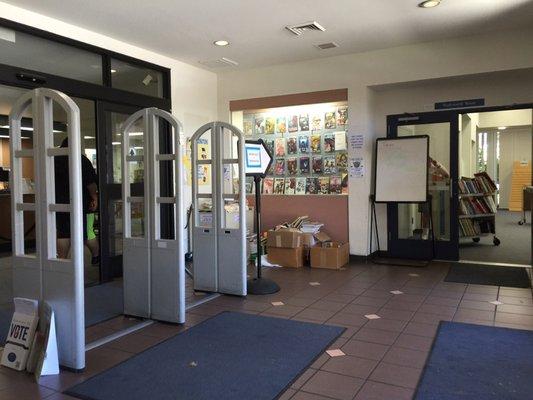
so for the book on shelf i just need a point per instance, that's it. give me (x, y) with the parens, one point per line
(473, 228)
(477, 205)
(481, 183)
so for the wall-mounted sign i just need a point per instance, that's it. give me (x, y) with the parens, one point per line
(447, 105)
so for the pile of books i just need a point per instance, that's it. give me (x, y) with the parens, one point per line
(477, 205)
(469, 227)
(481, 183)
(312, 227)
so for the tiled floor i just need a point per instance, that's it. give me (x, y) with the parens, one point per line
(384, 357)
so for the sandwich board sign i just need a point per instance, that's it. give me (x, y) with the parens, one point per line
(257, 158)
(21, 332)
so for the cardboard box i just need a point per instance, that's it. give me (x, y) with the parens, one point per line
(286, 257)
(334, 256)
(21, 332)
(287, 238)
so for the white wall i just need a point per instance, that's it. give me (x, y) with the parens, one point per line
(378, 85)
(507, 118)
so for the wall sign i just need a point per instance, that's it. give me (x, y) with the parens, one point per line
(446, 105)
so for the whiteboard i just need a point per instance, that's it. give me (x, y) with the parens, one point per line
(402, 170)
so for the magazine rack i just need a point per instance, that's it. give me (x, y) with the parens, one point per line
(154, 268)
(219, 220)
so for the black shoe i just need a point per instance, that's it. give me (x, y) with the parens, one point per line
(95, 260)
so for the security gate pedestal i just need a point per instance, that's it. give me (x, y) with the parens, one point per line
(43, 276)
(154, 268)
(219, 222)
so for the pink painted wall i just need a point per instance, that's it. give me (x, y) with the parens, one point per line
(332, 211)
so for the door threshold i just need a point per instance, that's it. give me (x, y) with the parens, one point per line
(497, 264)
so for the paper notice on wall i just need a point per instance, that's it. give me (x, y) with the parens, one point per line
(356, 167)
(356, 141)
(340, 140)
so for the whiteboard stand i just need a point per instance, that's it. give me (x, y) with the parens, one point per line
(401, 176)
(379, 259)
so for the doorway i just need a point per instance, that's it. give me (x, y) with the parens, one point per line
(480, 167)
(497, 144)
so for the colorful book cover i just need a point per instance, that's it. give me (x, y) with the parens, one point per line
(342, 161)
(303, 144)
(304, 165)
(279, 167)
(292, 145)
(316, 122)
(292, 166)
(290, 185)
(304, 122)
(330, 166)
(330, 122)
(329, 143)
(259, 123)
(300, 185)
(318, 166)
(344, 183)
(323, 185)
(270, 124)
(342, 115)
(315, 143)
(268, 185)
(280, 147)
(247, 127)
(269, 143)
(340, 140)
(281, 125)
(279, 185)
(311, 186)
(293, 123)
(335, 185)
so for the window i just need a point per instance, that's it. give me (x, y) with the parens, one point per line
(49, 57)
(136, 78)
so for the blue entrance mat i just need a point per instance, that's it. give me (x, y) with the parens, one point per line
(478, 362)
(230, 356)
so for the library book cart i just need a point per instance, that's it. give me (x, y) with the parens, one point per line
(477, 208)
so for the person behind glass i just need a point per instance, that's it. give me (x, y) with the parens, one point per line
(90, 204)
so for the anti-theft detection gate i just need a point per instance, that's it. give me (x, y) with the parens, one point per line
(219, 223)
(42, 275)
(154, 267)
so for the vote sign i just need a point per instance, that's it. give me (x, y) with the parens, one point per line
(257, 158)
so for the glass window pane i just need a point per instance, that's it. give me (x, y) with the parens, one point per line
(414, 219)
(22, 50)
(135, 78)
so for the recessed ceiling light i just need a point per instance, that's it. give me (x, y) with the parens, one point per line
(501, 128)
(221, 43)
(113, 71)
(429, 4)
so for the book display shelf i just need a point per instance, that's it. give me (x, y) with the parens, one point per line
(477, 208)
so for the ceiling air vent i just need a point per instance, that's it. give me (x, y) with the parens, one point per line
(307, 26)
(221, 62)
(325, 46)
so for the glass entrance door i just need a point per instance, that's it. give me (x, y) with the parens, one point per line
(111, 117)
(409, 224)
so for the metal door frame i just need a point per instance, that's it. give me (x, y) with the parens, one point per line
(59, 282)
(212, 272)
(154, 268)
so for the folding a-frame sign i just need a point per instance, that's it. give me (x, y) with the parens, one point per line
(219, 223)
(154, 268)
(42, 275)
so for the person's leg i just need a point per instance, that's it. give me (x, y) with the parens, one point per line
(92, 241)
(63, 247)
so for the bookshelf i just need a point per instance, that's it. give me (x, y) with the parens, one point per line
(477, 208)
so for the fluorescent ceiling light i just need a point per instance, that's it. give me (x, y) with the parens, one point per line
(27, 128)
(501, 128)
(88, 137)
(8, 137)
(136, 133)
(221, 43)
(429, 4)
(113, 71)
(115, 143)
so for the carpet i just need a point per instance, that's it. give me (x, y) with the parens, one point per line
(230, 356)
(473, 362)
(480, 274)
